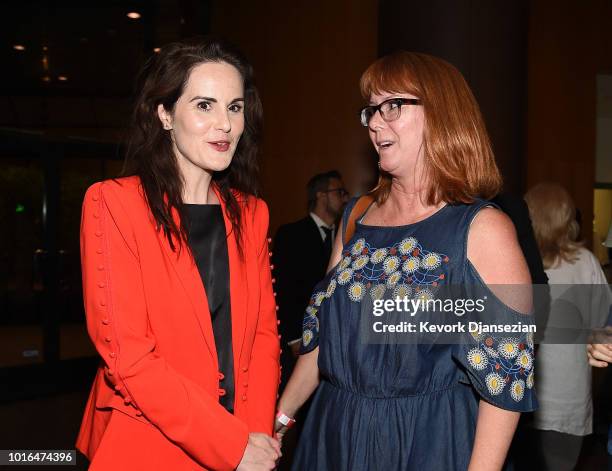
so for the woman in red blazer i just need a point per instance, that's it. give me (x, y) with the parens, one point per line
(184, 319)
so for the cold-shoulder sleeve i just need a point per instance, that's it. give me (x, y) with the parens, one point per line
(500, 365)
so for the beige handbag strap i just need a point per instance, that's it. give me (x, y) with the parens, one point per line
(360, 207)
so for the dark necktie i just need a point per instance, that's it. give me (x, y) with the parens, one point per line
(327, 243)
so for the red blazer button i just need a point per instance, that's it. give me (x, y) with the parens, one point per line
(222, 392)
(244, 398)
(221, 375)
(107, 339)
(244, 369)
(105, 321)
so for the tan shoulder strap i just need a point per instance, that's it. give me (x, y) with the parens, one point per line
(360, 207)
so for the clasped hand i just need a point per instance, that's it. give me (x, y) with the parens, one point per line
(260, 454)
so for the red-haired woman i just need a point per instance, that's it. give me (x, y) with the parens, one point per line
(176, 277)
(399, 404)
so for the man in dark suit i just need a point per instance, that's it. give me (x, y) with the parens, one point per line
(300, 257)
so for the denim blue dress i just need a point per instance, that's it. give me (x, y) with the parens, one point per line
(392, 405)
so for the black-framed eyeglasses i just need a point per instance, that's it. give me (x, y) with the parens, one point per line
(341, 191)
(390, 109)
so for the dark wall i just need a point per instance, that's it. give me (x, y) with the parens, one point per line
(308, 57)
(487, 42)
(569, 44)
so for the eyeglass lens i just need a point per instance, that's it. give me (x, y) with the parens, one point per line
(390, 111)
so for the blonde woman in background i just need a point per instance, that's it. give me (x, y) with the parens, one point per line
(563, 373)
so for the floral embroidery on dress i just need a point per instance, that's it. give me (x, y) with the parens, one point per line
(360, 262)
(402, 291)
(508, 361)
(357, 291)
(478, 359)
(517, 389)
(377, 292)
(310, 328)
(379, 255)
(330, 288)
(530, 380)
(495, 383)
(424, 294)
(508, 348)
(406, 269)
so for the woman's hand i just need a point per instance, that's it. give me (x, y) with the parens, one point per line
(279, 432)
(281, 429)
(600, 353)
(260, 454)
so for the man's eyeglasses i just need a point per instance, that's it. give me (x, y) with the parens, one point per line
(389, 109)
(341, 191)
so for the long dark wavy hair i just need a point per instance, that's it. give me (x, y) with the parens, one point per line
(150, 154)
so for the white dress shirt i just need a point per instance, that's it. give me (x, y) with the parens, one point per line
(319, 222)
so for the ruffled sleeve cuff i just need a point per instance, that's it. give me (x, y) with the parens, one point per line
(501, 369)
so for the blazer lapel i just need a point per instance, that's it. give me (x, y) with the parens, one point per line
(238, 282)
(189, 276)
(314, 235)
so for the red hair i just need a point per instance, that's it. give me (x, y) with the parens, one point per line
(458, 156)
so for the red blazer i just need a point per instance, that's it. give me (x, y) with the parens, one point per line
(154, 403)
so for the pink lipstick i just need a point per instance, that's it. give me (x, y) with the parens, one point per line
(220, 146)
